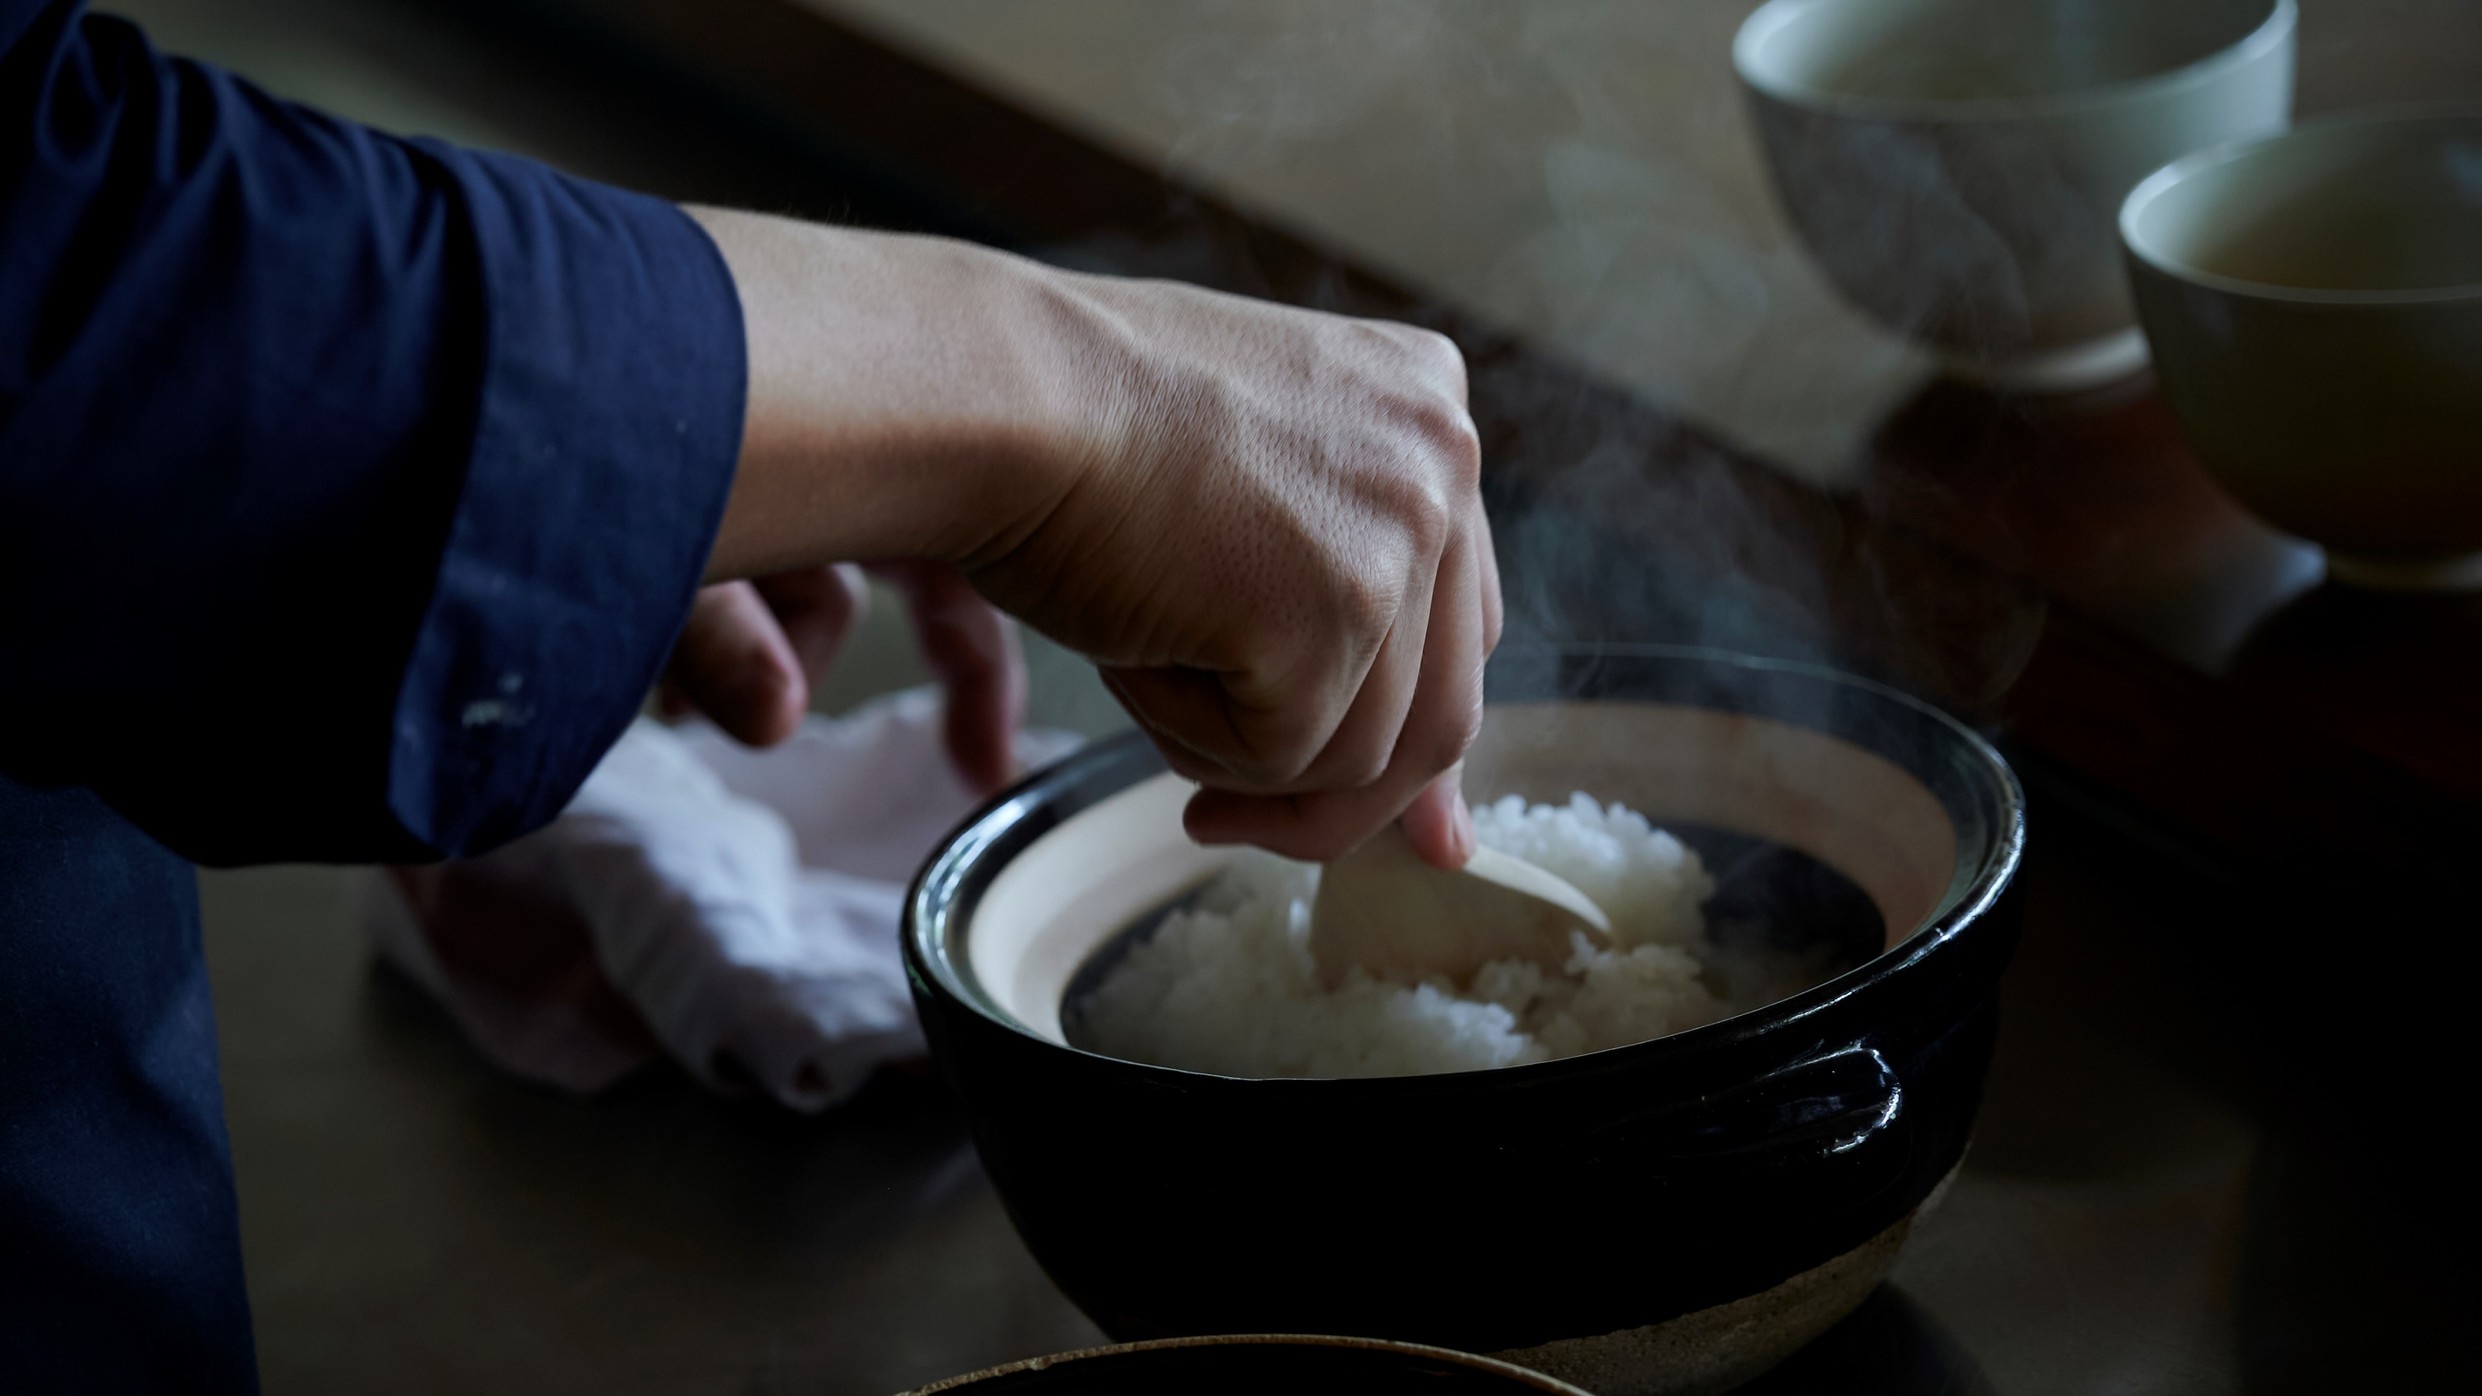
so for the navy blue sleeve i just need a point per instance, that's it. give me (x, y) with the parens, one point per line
(352, 489)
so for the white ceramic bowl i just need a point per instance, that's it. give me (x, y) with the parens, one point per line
(1955, 165)
(2315, 303)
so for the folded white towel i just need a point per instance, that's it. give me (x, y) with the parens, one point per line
(743, 903)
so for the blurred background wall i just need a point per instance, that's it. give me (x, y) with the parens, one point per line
(1580, 171)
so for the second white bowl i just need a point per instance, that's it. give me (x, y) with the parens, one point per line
(2315, 303)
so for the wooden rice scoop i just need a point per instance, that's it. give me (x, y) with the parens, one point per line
(1381, 909)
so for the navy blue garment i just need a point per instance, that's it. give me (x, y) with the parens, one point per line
(120, 1256)
(352, 491)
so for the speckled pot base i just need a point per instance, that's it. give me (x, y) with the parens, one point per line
(1717, 1349)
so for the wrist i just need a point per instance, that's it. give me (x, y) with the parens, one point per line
(908, 397)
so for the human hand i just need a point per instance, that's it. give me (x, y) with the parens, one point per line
(1276, 552)
(753, 649)
(1262, 523)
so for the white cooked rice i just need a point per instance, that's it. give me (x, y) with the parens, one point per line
(1228, 986)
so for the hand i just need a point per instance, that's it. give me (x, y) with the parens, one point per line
(1262, 523)
(1276, 551)
(752, 650)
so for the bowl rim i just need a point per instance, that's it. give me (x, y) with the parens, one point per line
(2277, 29)
(2196, 162)
(938, 975)
(1477, 1361)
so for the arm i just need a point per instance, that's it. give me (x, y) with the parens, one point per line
(351, 489)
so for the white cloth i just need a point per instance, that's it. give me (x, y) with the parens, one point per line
(744, 903)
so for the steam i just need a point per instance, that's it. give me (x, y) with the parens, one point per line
(1583, 174)
(1250, 78)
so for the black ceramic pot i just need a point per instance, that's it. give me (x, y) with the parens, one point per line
(1610, 1218)
(1255, 1365)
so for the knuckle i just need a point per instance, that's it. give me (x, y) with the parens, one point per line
(1424, 506)
(1271, 766)
(1444, 446)
(1444, 742)
(1368, 768)
(1439, 361)
(1443, 353)
(1455, 737)
(1432, 522)
(1365, 603)
(1283, 769)
(1451, 432)
(1385, 337)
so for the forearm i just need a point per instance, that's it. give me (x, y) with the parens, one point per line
(908, 396)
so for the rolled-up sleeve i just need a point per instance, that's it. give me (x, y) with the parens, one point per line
(352, 489)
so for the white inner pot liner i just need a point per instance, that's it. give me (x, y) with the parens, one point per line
(1861, 814)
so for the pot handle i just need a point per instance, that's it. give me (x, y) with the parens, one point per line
(1822, 1107)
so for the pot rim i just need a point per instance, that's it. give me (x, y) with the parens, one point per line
(1475, 1361)
(938, 976)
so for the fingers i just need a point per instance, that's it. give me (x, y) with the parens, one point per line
(1445, 714)
(1493, 610)
(1221, 738)
(975, 654)
(817, 607)
(734, 663)
(1364, 744)
(1185, 712)
(751, 650)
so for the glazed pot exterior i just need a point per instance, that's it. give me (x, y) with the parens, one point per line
(1482, 1210)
